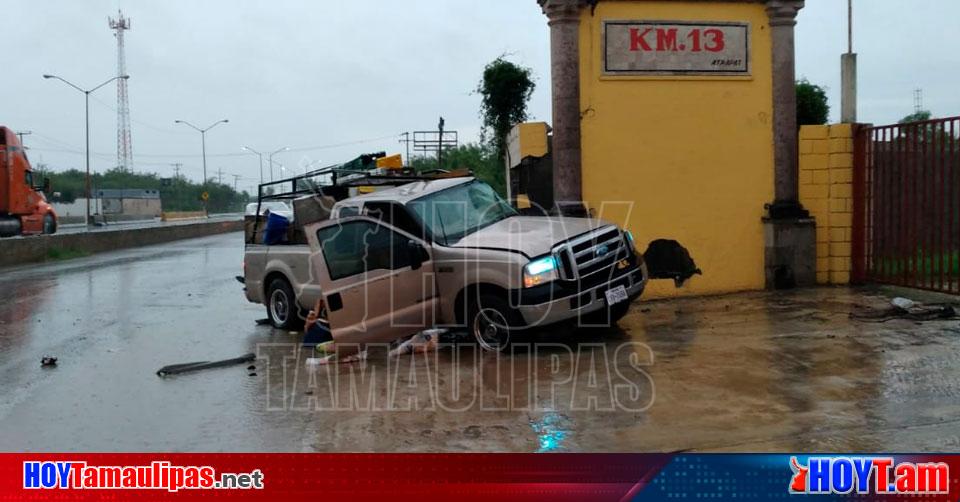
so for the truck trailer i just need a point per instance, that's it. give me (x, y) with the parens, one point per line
(24, 209)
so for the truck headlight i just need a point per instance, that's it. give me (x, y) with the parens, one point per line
(540, 271)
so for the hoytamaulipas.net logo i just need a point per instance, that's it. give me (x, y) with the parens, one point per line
(868, 475)
(159, 475)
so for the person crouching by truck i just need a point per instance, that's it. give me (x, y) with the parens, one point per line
(317, 335)
(317, 332)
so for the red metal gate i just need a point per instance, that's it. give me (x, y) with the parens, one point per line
(906, 184)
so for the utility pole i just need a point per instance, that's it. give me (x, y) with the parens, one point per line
(220, 176)
(236, 178)
(21, 134)
(176, 169)
(440, 147)
(848, 75)
(406, 139)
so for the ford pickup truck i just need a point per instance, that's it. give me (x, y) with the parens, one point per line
(453, 253)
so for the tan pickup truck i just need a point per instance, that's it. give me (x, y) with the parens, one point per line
(452, 252)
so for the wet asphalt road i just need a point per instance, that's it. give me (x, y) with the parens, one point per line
(748, 372)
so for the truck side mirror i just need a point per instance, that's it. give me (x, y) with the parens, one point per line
(46, 185)
(417, 254)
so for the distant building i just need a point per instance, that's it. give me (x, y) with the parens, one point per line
(130, 202)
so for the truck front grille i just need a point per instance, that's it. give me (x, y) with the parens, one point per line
(591, 253)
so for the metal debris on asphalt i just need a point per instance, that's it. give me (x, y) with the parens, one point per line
(177, 369)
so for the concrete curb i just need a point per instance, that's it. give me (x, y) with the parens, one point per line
(36, 249)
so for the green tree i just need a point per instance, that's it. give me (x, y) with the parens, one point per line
(930, 133)
(180, 195)
(919, 116)
(505, 90)
(477, 157)
(812, 105)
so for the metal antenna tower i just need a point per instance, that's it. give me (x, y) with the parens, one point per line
(124, 143)
(917, 100)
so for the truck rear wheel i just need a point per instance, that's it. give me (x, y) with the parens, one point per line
(282, 306)
(490, 320)
(49, 224)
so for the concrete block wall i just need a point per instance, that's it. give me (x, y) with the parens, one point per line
(21, 250)
(826, 190)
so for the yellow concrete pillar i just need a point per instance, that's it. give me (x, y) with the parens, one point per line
(826, 190)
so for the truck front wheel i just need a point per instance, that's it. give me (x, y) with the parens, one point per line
(282, 305)
(49, 224)
(490, 320)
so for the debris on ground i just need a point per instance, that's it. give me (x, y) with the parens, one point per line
(177, 369)
(903, 303)
(335, 359)
(906, 309)
(263, 322)
(424, 341)
(48, 361)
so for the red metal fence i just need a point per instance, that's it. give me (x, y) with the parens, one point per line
(906, 210)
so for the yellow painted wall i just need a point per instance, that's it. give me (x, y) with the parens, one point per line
(826, 190)
(694, 154)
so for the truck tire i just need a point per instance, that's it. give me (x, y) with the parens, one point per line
(618, 312)
(490, 320)
(282, 306)
(49, 224)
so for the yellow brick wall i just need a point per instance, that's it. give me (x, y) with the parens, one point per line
(826, 189)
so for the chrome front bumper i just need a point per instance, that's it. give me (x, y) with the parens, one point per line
(583, 303)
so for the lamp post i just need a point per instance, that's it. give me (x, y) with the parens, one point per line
(271, 160)
(258, 154)
(86, 95)
(203, 141)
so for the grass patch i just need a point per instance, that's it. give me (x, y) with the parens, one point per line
(923, 266)
(58, 254)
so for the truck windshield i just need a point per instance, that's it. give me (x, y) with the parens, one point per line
(451, 214)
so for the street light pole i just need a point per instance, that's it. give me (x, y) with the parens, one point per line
(86, 94)
(271, 160)
(258, 154)
(203, 142)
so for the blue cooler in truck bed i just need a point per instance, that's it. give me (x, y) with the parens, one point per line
(276, 229)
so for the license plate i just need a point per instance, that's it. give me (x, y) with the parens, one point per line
(616, 295)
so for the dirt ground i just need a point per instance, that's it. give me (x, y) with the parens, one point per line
(766, 372)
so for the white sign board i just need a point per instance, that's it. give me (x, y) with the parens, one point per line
(676, 48)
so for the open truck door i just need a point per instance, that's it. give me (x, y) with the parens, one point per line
(377, 281)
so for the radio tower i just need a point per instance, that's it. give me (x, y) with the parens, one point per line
(124, 143)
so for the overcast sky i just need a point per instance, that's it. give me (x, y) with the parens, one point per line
(312, 74)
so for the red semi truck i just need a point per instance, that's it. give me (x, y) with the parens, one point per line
(23, 208)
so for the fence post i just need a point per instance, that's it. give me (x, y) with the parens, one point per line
(858, 239)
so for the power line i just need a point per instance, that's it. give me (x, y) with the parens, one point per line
(73, 149)
(21, 134)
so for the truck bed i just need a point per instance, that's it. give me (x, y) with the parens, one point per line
(262, 263)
